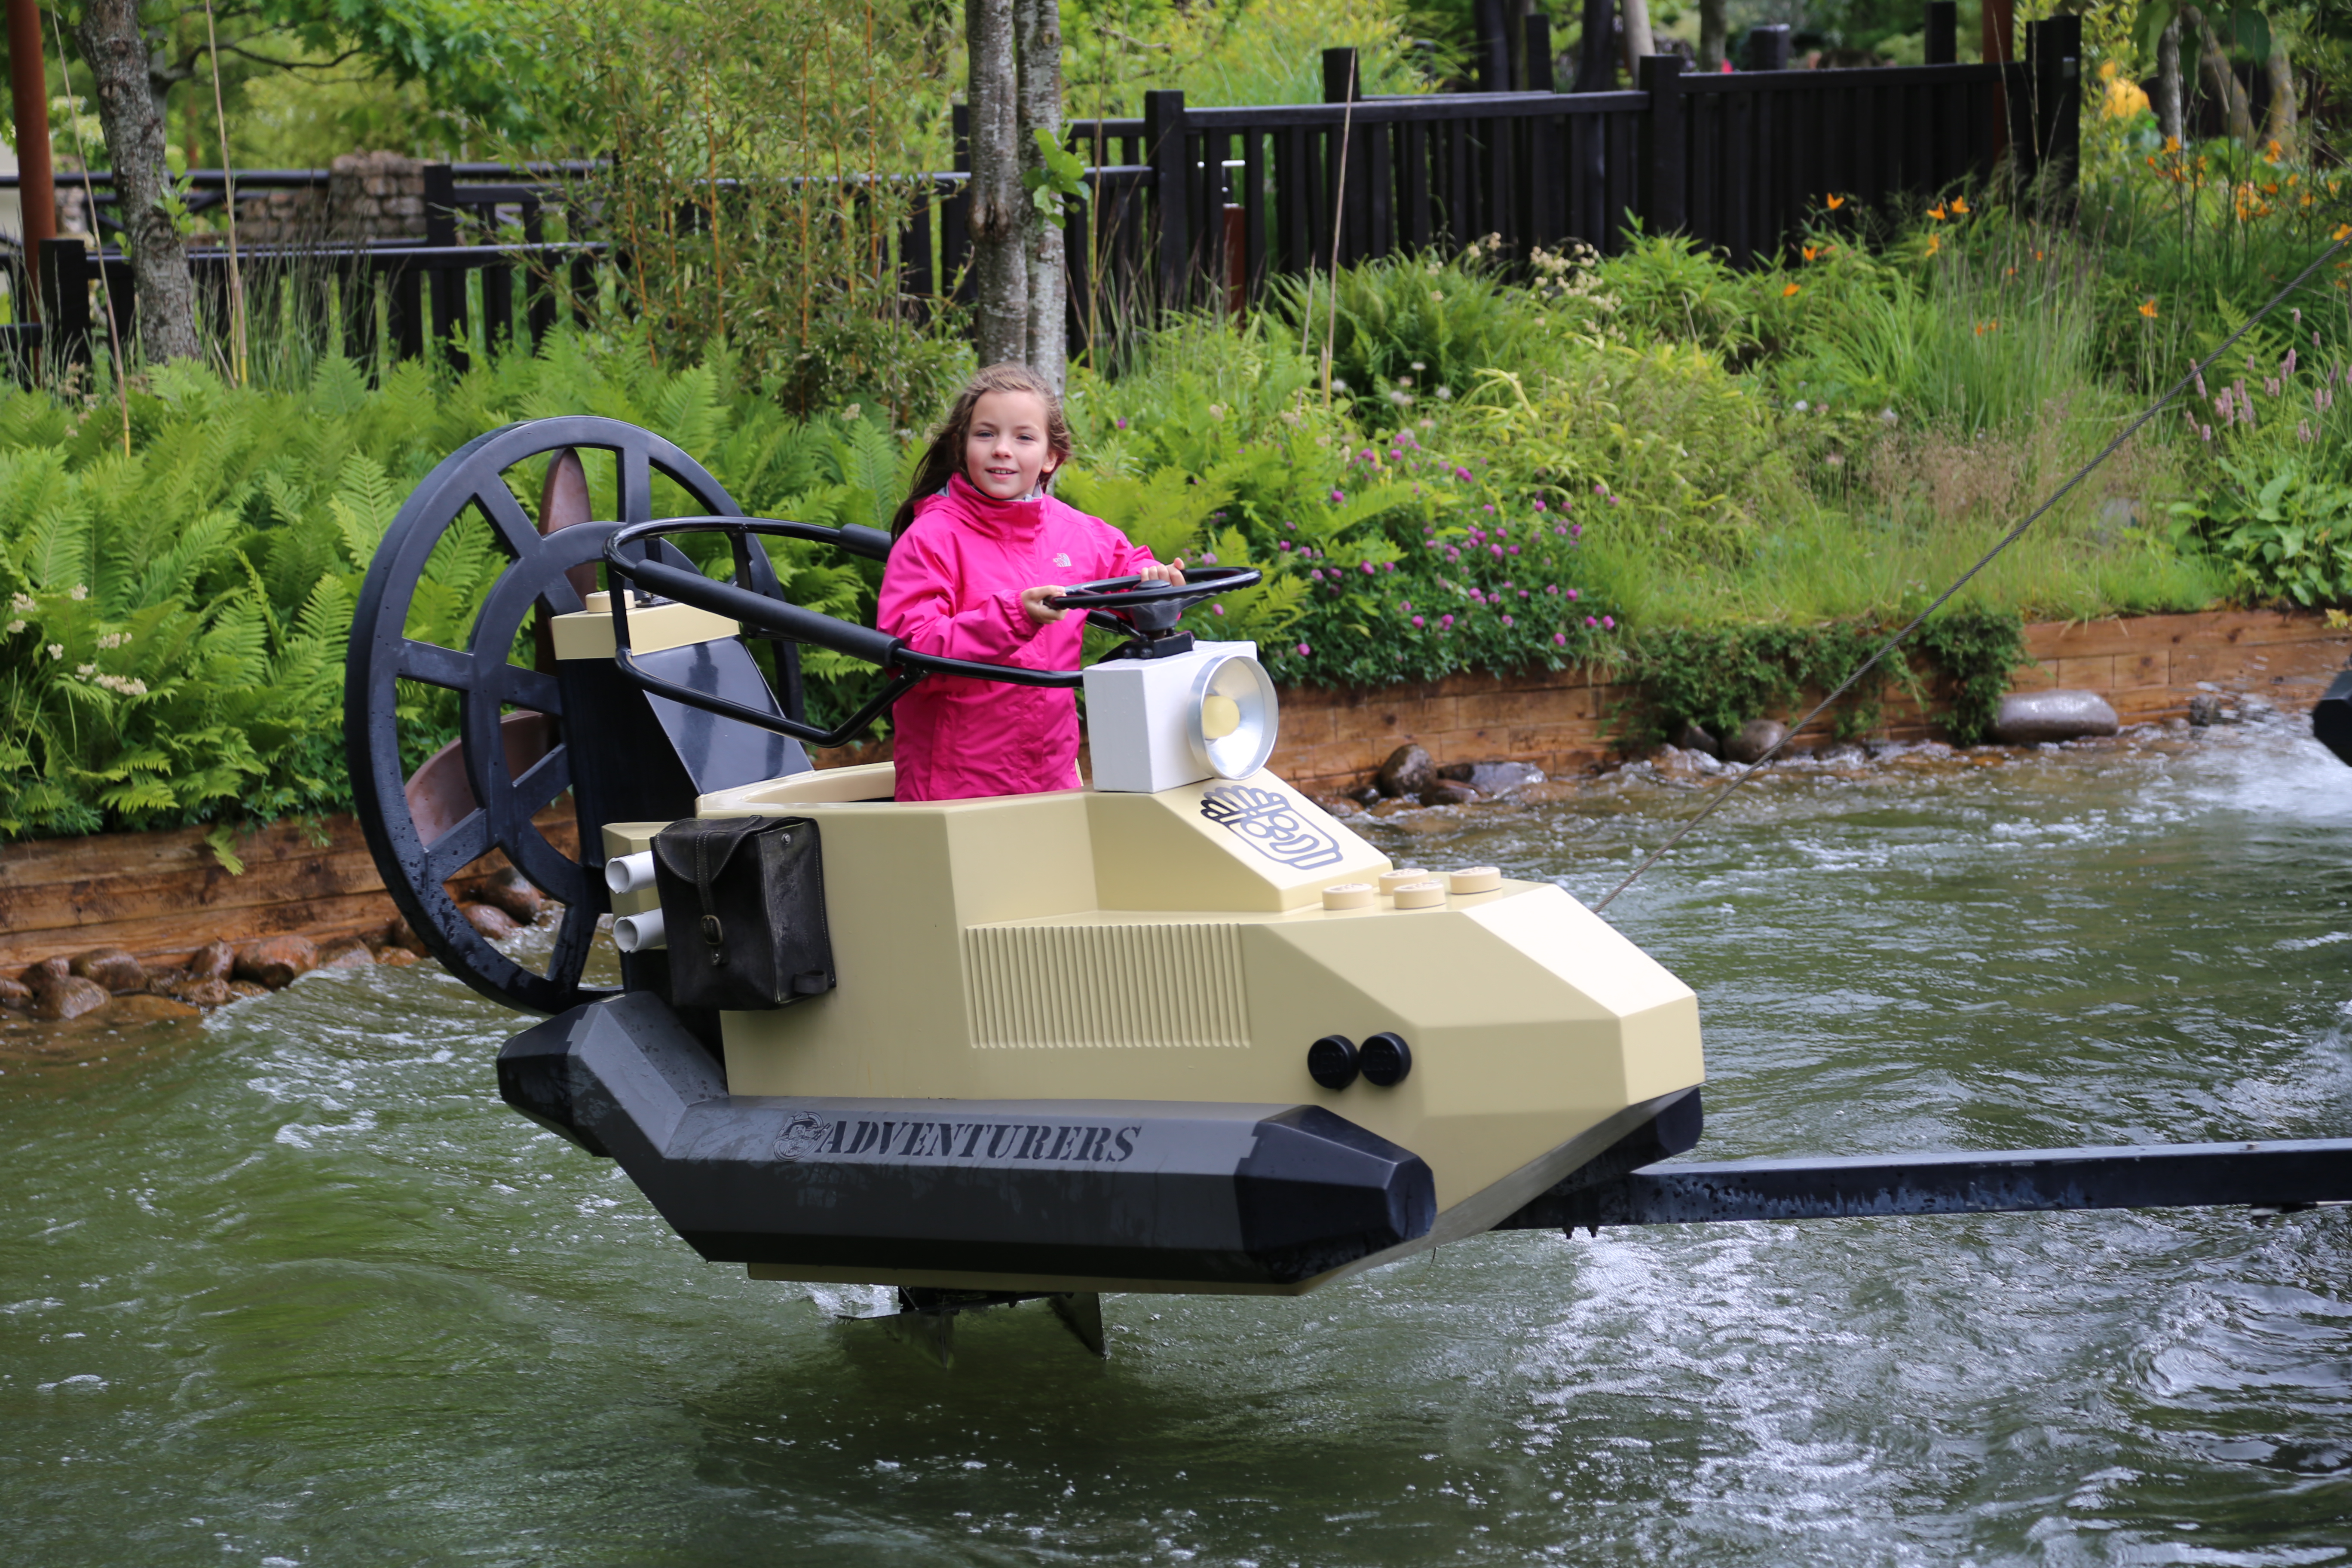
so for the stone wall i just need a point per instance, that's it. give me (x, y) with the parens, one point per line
(369, 196)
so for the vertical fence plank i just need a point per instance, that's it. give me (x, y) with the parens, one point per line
(1254, 225)
(1942, 30)
(1664, 147)
(1418, 227)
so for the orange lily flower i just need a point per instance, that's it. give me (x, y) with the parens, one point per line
(1836, 202)
(1791, 289)
(2147, 309)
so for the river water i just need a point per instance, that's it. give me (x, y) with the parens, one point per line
(293, 1287)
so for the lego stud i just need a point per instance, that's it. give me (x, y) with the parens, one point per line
(1423, 895)
(1348, 896)
(1391, 880)
(1384, 1059)
(1331, 1061)
(1475, 879)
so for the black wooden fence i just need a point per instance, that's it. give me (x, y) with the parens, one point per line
(1194, 206)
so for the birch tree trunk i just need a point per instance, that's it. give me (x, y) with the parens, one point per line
(133, 120)
(1037, 34)
(1714, 36)
(2282, 113)
(2220, 80)
(999, 264)
(2168, 83)
(1637, 36)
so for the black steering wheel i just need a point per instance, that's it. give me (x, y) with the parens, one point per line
(1133, 604)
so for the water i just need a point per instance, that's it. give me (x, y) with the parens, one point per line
(293, 1287)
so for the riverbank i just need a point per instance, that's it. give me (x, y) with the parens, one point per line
(161, 897)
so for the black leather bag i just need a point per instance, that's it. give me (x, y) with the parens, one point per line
(742, 902)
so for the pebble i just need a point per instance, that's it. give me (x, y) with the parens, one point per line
(345, 953)
(1754, 741)
(276, 961)
(1406, 773)
(493, 922)
(2026, 718)
(111, 967)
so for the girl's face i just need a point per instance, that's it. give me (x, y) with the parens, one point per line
(1006, 452)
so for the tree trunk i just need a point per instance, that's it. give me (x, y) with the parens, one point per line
(2220, 80)
(117, 54)
(1037, 33)
(2168, 83)
(1637, 36)
(1000, 269)
(2282, 115)
(1714, 36)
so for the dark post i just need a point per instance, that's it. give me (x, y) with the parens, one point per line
(1943, 33)
(2054, 53)
(1340, 83)
(1768, 47)
(28, 81)
(1171, 193)
(1664, 138)
(1494, 59)
(1539, 53)
(63, 286)
(440, 204)
(1596, 56)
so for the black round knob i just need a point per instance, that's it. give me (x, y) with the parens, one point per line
(1385, 1058)
(1331, 1061)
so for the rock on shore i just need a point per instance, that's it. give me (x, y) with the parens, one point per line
(2027, 718)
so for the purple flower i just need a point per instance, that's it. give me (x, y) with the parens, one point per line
(1461, 473)
(1487, 508)
(1561, 531)
(1216, 609)
(1551, 587)
(1506, 620)
(1416, 620)
(1523, 592)
(1496, 550)
(1304, 650)
(1388, 565)
(1122, 424)
(1515, 549)
(1577, 531)
(1539, 505)
(1405, 605)
(1445, 620)
(1559, 639)
(1208, 558)
(1369, 568)
(1591, 622)
(1608, 621)
(1282, 544)
(1338, 497)
(1315, 574)
(1572, 593)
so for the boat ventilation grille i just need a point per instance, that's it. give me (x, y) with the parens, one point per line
(1118, 985)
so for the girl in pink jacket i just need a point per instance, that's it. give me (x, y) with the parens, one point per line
(980, 547)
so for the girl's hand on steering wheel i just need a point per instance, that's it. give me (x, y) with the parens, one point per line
(1174, 572)
(1040, 613)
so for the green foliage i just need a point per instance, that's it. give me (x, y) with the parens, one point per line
(1976, 650)
(1720, 677)
(2286, 534)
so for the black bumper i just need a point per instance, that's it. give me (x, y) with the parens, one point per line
(1127, 1189)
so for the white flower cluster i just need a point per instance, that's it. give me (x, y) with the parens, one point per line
(78, 592)
(120, 684)
(113, 639)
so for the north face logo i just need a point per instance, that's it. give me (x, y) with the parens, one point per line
(1062, 558)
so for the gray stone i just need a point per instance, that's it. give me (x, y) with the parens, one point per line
(2027, 717)
(1366, 797)
(1502, 778)
(1694, 738)
(1756, 737)
(2205, 710)
(1448, 792)
(1406, 773)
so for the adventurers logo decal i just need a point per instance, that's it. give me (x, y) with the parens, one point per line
(808, 1137)
(1271, 825)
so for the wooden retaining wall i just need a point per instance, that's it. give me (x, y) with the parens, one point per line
(161, 895)
(2148, 666)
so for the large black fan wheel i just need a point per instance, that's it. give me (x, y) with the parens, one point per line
(551, 565)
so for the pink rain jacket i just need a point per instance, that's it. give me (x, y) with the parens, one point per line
(953, 587)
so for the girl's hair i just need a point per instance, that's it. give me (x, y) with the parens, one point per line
(945, 458)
